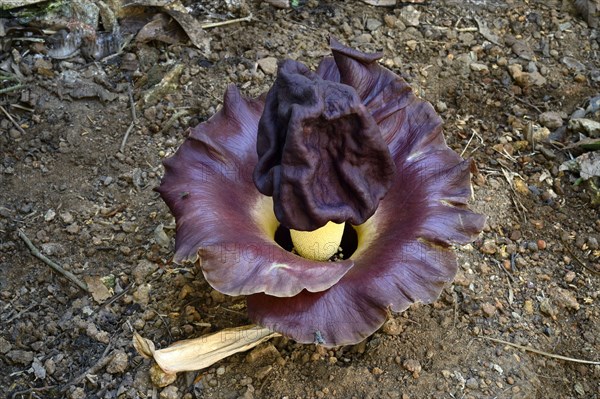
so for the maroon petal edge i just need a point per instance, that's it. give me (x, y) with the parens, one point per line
(208, 187)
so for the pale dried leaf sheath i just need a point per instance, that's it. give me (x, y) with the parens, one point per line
(198, 353)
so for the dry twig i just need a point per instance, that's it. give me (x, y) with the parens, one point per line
(133, 121)
(582, 263)
(55, 266)
(31, 390)
(9, 116)
(539, 352)
(228, 22)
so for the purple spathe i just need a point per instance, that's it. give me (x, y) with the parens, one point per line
(404, 251)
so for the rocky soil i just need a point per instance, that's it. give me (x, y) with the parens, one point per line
(512, 80)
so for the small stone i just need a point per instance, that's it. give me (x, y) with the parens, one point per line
(49, 215)
(363, 38)
(412, 44)
(579, 389)
(159, 378)
(522, 49)
(441, 106)
(160, 237)
(20, 356)
(565, 298)
(263, 353)
(472, 383)
(537, 223)
(551, 120)
(489, 247)
(390, 20)
(541, 245)
(268, 65)
(170, 392)
(118, 364)
(412, 365)
(587, 126)
(478, 67)
(377, 371)
(488, 309)
(5, 346)
(217, 297)
(525, 79)
(50, 366)
(73, 228)
(410, 16)
(392, 327)
(521, 187)
(373, 24)
(142, 294)
(38, 369)
(569, 277)
(99, 335)
(592, 243)
(14, 134)
(528, 307)
(67, 218)
(78, 393)
(462, 279)
(547, 308)
(573, 64)
(143, 269)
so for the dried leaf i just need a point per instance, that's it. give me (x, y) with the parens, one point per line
(198, 353)
(143, 346)
(161, 28)
(99, 291)
(177, 10)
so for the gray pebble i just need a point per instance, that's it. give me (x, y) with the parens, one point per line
(573, 64)
(170, 392)
(373, 24)
(5, 346)
(472, 383)
(441, 106)
(552, 120)
(118, 364)
(20, 356)
(14, 134)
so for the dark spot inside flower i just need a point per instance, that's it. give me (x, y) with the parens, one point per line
(348, 245)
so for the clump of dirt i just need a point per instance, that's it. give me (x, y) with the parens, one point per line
(507, 77)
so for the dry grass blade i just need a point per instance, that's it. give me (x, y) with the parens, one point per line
(539, 352)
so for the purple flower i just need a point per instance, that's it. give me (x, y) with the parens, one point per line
(349, 144)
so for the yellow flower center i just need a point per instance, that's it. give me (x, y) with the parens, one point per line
(320, 244)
